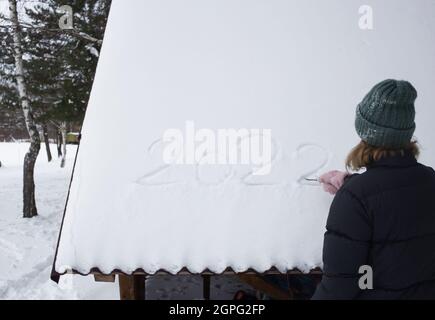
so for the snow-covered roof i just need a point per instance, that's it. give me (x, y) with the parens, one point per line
(297, 68)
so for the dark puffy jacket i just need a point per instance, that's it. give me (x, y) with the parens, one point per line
(383, 218)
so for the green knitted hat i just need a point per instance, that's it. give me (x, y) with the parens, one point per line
(385, 117)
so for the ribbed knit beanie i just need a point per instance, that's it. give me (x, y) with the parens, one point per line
(385, 117)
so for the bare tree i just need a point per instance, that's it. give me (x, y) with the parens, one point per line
(46, 141)
(59, 143)
(62, 129)
(29, 204)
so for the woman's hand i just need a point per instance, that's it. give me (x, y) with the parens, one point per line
(333, 180)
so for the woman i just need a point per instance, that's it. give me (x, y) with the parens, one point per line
(383, 218)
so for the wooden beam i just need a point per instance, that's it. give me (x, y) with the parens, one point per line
(104, 278)
(131, 287)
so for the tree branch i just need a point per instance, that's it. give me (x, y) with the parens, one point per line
(72, 32)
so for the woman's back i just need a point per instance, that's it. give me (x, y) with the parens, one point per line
(384, 219)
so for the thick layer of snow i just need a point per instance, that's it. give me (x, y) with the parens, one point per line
(296, 67)
(27, 246)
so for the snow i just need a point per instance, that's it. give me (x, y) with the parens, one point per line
(298, 68)
(27, 245)
(93, 51)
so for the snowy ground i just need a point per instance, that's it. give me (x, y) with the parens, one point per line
(27, 245)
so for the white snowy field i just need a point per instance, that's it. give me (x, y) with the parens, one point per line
(27, 246)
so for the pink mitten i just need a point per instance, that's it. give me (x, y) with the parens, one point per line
(333, 180)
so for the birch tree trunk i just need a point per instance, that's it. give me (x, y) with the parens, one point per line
(29, 205)
(46, 141)
(63, 132)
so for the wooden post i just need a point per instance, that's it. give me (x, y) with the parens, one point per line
(206, 287)
(132, 287)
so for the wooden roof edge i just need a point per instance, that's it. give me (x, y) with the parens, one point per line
(55, 276)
